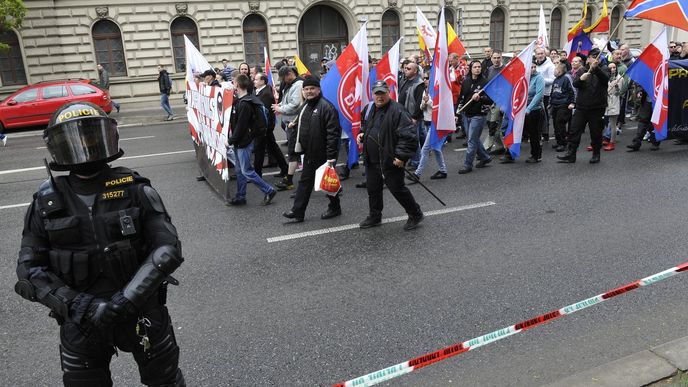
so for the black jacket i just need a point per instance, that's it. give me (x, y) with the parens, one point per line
(318, 130)
(398, 137)
(265, 96)
(410, 95)
(164, 82)
(470, 86)
(562, 91)
(592, 93)
(72, 253)
(242, 113)
(645, 108)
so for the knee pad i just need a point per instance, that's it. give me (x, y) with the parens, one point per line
(81, 371)
(161, 367)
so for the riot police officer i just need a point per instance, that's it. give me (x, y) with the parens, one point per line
(98, 248)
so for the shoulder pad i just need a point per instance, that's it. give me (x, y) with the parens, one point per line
(153, 199)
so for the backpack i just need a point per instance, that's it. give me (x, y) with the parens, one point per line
(259, 120)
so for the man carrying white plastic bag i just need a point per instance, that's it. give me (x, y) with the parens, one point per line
(317, 137)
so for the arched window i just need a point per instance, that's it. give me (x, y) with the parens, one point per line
(588, 17)
(255, 38)
(449, 17)
(390, 30)
(555, 29)
(107, 39)
(11, 63)
(614, 21)
(182, 26)
(497, 22)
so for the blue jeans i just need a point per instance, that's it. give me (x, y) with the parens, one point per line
(245, 172)
(474, 127)
(165, 103)
(420, 131)
(425, 154)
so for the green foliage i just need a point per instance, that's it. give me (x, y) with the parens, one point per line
(12, 14)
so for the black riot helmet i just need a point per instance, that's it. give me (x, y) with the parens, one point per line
(81, 137)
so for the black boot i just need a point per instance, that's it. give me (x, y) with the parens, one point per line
(569, 157)
(595, 158)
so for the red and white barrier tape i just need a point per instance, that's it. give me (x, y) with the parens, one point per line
(456, 349)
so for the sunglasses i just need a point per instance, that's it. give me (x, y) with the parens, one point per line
(427, 79)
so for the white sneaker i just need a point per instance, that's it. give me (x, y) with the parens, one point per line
(4, 141)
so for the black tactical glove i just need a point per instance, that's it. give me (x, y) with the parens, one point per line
(101, 313)
(124, 306)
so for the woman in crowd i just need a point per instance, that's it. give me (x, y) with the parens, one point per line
(616, 83)
(475, 104)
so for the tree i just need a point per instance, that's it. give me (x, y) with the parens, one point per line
(12, 14)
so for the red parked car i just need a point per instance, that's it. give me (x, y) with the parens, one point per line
(34, 104)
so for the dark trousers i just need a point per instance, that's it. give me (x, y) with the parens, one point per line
(561, 117)
(305, 187)
(644, 127)
(593, 118)
(532, 125)
(393, 177)
(268, 143)
(85, 351)
(544, 123)
(622, 111)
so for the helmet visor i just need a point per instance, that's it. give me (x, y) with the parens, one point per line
(82, 141)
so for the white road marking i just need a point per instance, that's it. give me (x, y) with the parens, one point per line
(135, 138)
(14, 206)
(331, 230)
(42, 147)
(7, 172)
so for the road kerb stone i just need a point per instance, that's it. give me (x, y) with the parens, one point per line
(675, 352)
(638, 369)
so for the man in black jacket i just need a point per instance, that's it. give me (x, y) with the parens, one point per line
(242, 139)
(591, 102)
(410, 96)
(316, 135)
(265, 94)
(389, 140)
(165, 86)
(644, 124)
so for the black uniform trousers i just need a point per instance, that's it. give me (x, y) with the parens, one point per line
(305, 187)
(393, 177)
(593, 118)
(86, 351)
(269, 143)
(532, 126)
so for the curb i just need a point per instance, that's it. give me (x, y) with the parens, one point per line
(639, 369)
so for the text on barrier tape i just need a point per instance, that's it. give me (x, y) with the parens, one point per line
(456, 349)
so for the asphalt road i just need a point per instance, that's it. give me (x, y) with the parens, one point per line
(324, 309)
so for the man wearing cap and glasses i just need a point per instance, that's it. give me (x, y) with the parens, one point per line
(389, 140)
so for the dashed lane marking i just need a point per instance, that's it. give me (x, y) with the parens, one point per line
(331, 230)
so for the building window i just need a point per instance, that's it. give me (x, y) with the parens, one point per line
(614, 21)
(588, 17)
(182, 26)
(555, 29)
(449, 17)
(255, 38)
(11, 63)
(390, 30)
(497, 19)
(107, 39)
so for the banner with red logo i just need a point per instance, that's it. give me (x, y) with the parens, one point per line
(208, 112)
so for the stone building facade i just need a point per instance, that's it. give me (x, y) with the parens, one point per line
(66, 38)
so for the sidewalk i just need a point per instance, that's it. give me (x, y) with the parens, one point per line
(147, 111)
(659, 366)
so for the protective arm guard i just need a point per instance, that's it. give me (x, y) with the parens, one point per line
(153, 271)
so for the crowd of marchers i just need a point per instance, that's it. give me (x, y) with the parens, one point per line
(567, 93)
